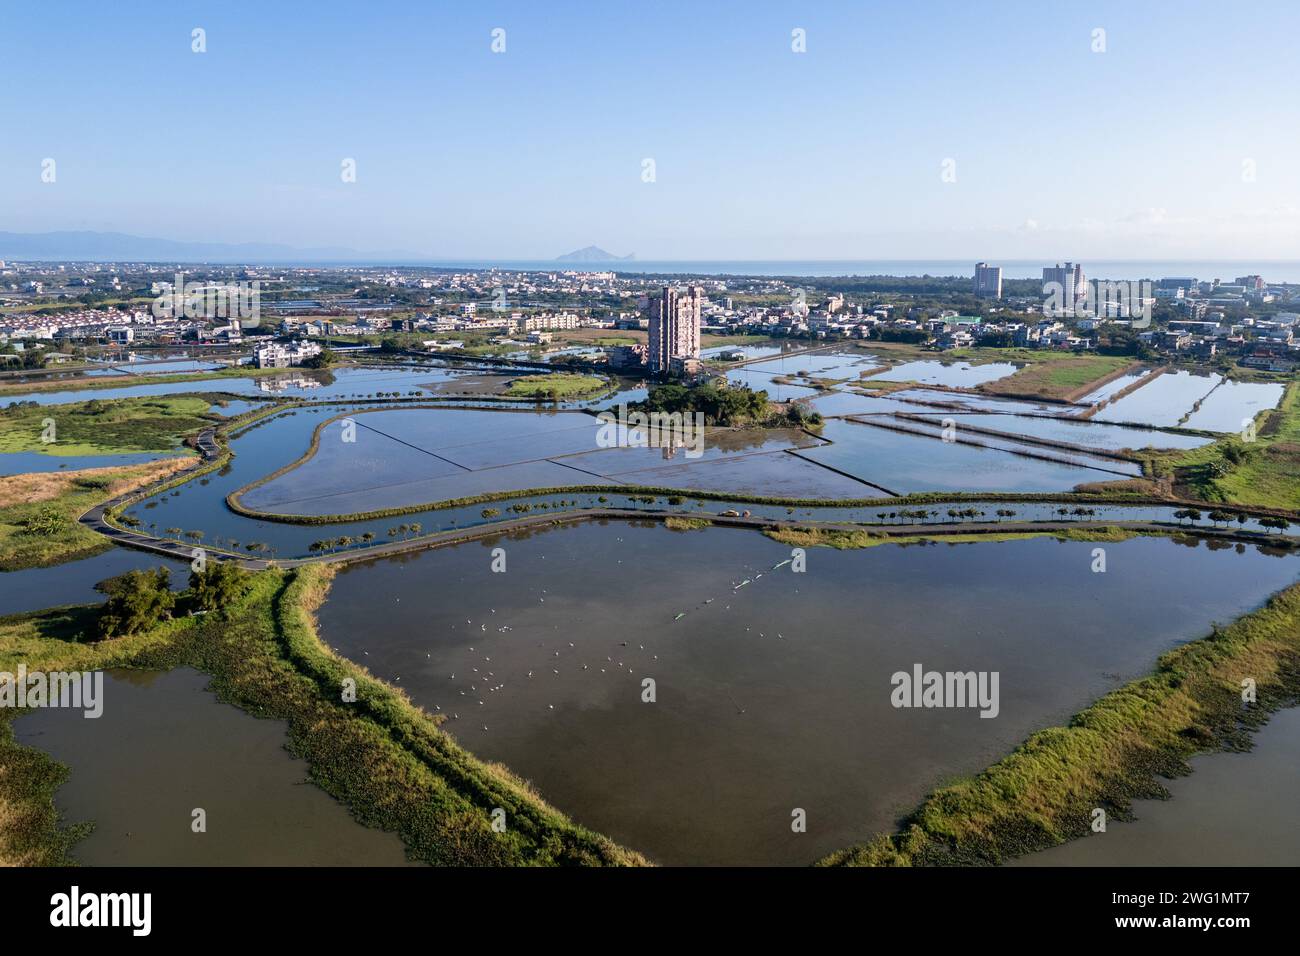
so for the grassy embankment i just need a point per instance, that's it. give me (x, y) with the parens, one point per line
(675, 523)
(843, 540)
(382, 757)
(1044, 792)
(1264, 472)
(95, 427)
(1117, 493)
(1048, 375)
(557, 385)
(599, 338)
(38, 512)
(1054, 375)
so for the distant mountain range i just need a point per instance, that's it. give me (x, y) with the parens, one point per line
(592, 254)
(119, 247)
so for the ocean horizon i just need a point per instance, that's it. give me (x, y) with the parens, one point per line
(1277, 270)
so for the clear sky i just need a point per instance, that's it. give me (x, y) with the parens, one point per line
(1143, 151)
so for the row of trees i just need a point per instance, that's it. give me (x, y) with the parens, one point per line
(325, 545)
(1225, 518)
(1191, 515)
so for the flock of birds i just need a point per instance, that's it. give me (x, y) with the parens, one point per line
(482, 680)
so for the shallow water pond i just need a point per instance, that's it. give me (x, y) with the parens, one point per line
(772, 688)
(163, 746)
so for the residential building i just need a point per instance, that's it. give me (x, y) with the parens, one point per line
(1069, 277)
(277, 355)
(988, 280)
(674, 327)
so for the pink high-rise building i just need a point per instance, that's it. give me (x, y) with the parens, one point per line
(674, 327)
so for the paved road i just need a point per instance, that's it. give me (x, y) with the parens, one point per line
(458, 536)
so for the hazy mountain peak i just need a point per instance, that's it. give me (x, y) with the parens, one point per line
(591, 254)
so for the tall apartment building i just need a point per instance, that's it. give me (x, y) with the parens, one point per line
(1070, 277)
(988, 280)
(674, 327)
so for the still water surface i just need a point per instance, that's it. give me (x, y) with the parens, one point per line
(771, 695)
(163, 746)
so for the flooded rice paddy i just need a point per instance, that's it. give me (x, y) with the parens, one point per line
(1089, 434)
(279, 440)
(1207, 402)
(401, 457)
(772, 687)
(953, 374)
(164, 746)
(906, 463)
(1163, 401)
(1113, 387)
(1233, 405)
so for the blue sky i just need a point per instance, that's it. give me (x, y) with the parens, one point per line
(760, 152)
